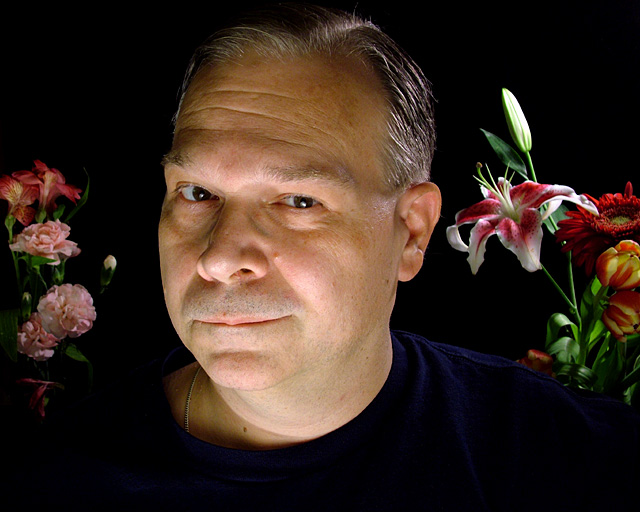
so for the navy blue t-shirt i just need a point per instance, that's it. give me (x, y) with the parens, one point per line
(450, 430)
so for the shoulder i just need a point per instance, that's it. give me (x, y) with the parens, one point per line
(511, 424)
(130, 403)
(479, 380)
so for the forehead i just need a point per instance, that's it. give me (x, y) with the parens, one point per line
(331, 108)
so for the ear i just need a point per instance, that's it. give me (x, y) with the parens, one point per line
(419, 210)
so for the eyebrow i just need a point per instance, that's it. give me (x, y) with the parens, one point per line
(338, 175)
(175, 158)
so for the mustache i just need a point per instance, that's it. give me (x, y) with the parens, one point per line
(205, 304)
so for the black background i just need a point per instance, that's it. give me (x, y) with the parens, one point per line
(96, 90)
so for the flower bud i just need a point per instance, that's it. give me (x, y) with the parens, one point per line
(619, 266)
(107, 271)
(539, 361)
(110, 262)
(25, 306)
(517, 123)
(622, 317)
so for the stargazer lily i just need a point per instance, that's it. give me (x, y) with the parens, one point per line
(513, 213)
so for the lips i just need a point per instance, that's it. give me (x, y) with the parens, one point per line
(239, 321)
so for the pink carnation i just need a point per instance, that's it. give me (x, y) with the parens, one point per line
(48, 240)
(34, 341)
(67, 310)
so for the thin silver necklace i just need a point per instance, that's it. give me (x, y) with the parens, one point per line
(188, 404)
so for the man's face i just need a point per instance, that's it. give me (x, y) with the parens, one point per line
(279, 244)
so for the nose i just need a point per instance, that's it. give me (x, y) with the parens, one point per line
(235, 251)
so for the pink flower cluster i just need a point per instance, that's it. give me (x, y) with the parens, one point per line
(48, 240)
(65, 310)
(34, 341)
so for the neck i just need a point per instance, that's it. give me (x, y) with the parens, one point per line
(289, 413)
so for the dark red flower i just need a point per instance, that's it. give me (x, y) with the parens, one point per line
(587, 235)
(40, 389)
(539, 361)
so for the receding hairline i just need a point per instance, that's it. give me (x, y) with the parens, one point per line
(300, 30)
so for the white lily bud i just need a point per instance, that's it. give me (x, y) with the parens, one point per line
(517, 123)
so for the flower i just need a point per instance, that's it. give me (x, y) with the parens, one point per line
(517, 123)
(619, 266)
(539, 361)
(20, 197)
(622, 316)
(34, 341)
(37, 400)
(48, 240)
(587, 235)
(67, 310)
(50, 184)
(513, 214)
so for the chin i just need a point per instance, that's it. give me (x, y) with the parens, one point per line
(243, 371)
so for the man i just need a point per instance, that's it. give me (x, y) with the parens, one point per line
(297, 198)
(282, 238)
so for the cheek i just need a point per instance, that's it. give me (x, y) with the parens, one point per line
(340, 271)
(178, 260)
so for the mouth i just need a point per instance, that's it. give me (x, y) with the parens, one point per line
(239, 321)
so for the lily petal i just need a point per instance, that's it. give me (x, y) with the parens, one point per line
(453, 236)
(523, 238)
(482, 210)
(580, 200)
(533, 195)
(477, 242)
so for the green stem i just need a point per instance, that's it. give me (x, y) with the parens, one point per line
(572, 305)
(9, 222)
(572, 286)
(530, 163)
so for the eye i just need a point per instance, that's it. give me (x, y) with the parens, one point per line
(195, 194)
(301, 202)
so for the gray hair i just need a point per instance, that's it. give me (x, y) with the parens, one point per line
(294, 30)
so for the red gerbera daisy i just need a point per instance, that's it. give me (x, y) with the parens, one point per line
(587, 235)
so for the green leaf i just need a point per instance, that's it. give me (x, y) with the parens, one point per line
(633, 377)
(632, 396)
(81, 202)
(9, 332)
(556, 322)
(565, 349)
(59, 211)
(608, 365)
(506, 154)
(597, 331)
(36, 261)
(596, 286)
(75, 354)
(575, 375)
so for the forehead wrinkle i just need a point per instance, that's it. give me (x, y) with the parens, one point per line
(201, 115)
(254, 94)
(334, 173)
